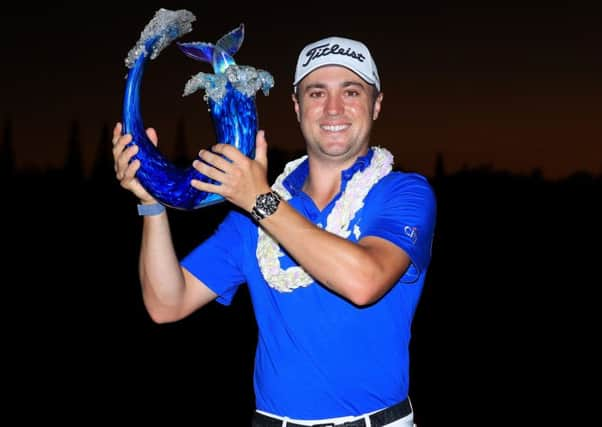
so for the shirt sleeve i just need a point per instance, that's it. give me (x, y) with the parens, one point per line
(217, 262)
(403, 211)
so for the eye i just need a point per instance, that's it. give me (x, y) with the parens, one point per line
(316, 94)
(352, 93)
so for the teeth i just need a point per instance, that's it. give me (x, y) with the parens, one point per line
(334, 128)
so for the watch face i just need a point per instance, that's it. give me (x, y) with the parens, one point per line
(267, 203)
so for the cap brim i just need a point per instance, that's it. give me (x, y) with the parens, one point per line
(363, 76)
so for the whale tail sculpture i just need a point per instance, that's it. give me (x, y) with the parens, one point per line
(230, 94)
(220, 55)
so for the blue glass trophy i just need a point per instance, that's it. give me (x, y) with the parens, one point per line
(229, 93)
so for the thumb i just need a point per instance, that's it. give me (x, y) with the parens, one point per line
(152, 135)
(261, 149)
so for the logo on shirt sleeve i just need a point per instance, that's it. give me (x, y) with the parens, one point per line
(356, 232)
(411, 232)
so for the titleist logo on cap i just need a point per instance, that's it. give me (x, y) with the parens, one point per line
(340, 51)
(335, 49)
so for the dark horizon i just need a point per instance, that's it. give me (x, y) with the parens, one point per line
(86, 160)
(513, 88)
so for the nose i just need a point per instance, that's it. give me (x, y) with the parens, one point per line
(334, 105)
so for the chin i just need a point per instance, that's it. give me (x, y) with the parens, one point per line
(337, 151)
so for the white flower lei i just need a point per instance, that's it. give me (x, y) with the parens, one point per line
(351, 201)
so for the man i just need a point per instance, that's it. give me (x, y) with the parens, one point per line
(334, 254)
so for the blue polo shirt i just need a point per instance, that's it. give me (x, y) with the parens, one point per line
(318, 355)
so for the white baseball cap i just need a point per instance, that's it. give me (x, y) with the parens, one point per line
(341, 51)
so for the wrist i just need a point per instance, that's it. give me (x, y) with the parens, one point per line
(266, 204)
(151, 201)
(150, 209)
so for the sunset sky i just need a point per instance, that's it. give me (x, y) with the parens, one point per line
(512, 88)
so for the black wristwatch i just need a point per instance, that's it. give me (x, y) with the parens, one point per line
(265, 205)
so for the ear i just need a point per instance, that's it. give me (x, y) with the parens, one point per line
(377, 106)
(296, 106)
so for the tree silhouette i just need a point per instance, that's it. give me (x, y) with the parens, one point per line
(103, 163)
(7, 152)
(73, 162)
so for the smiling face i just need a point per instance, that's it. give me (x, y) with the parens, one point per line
(335, 109)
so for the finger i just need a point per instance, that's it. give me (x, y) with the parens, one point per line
(215, 160)
(205, 186)
(152, 135)
(261, 149)
(120, 144)
(124, 160)
(116, 132)
(208, 170)
(131, 170)
(230, 152)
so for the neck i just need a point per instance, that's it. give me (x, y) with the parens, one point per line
(324, 179)
(322, 184)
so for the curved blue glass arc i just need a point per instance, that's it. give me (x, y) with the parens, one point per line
(235, 122)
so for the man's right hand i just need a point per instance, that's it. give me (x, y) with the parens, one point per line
(126, 171)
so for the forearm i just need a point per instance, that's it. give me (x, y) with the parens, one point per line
(346, 268)
(162, 280)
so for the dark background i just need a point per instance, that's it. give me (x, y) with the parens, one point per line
(511, 87)
(497, 107)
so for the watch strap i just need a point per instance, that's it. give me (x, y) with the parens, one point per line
(150, 210)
